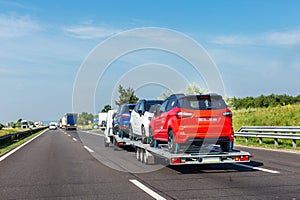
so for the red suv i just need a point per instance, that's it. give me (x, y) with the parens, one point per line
(192, 120)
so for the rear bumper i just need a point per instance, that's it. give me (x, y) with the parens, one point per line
(215, 138)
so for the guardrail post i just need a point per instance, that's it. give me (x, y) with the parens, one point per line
(294, 144)
(260, 140)
(276, 141)
(246, 139)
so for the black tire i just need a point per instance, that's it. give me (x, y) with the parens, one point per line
(225, 146)
(144, 138)
(151, 137)
(171, 142)
(130, 132)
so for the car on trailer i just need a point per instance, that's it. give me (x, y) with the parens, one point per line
(184, 121)
(141, 117)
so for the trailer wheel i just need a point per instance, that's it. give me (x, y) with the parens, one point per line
(137, 153)
(145, 157)
(105, 143)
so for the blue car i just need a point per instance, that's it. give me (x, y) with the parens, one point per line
(121, 120)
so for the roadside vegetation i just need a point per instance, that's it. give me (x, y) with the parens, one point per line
(8, 147)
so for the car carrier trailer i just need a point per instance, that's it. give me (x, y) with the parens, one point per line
(209, 154)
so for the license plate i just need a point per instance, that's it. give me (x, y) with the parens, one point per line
(207, 119)
(210, 160)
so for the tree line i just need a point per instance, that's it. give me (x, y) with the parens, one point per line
(262, 101)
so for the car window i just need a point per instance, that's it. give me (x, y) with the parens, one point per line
(136, 108)
(163, 106)
(202, 103)
(149, 104)
(172, 103)
(142, 106)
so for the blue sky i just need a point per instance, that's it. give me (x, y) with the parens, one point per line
(255, 45)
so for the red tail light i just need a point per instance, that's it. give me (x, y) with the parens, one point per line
(175, 160)
(181, 115)
(124, 115)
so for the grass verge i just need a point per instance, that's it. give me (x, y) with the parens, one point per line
(5, 149)
(267, 143)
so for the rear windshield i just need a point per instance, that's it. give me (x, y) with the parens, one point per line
(150, 104)
(202, 103)
(127, 108)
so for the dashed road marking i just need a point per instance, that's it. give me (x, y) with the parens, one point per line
(69, 135)
(147, 190)
(89, 150)
(258, 168)
(75, 139)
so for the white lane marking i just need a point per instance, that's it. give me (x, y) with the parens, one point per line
(147, 190)
(75, 139)
(89, 150)
(19, 147)
(258, 168)
(69, 135)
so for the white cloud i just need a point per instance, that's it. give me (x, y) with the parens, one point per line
(90, 31)
(289, 37)
(13, 25)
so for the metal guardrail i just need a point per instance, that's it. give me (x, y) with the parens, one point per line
(10, 138)
(274, 132)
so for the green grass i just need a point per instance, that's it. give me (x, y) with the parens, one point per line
(274, 116)
(267, 143)
(17, 143)
(9, 131)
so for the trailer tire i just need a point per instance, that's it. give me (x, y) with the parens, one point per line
(137, 153)
(145, 157)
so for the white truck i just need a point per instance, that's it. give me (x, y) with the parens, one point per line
(102, 120)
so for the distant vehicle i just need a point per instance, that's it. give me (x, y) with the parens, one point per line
(122, 119)
(24, 124)
(52, 126)
(102, 119)
(62, 122)
(71, 121)
(141, 117)
(193, 119)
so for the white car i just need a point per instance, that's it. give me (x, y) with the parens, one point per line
(52, 126)
(141, 117)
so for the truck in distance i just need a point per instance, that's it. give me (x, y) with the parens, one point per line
(71, 121)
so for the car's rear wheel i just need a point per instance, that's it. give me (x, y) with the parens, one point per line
(225, 146)
(172, 145)
(151, 137)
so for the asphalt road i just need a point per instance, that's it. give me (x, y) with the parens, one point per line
(76, 165)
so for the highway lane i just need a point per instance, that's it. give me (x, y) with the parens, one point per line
(57, 166)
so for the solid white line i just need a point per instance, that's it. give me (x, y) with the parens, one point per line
(258, 168)
(89, 150)
(147, 190)
(75, 139)
(19, 147)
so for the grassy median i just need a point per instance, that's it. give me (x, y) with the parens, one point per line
(6, 148)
